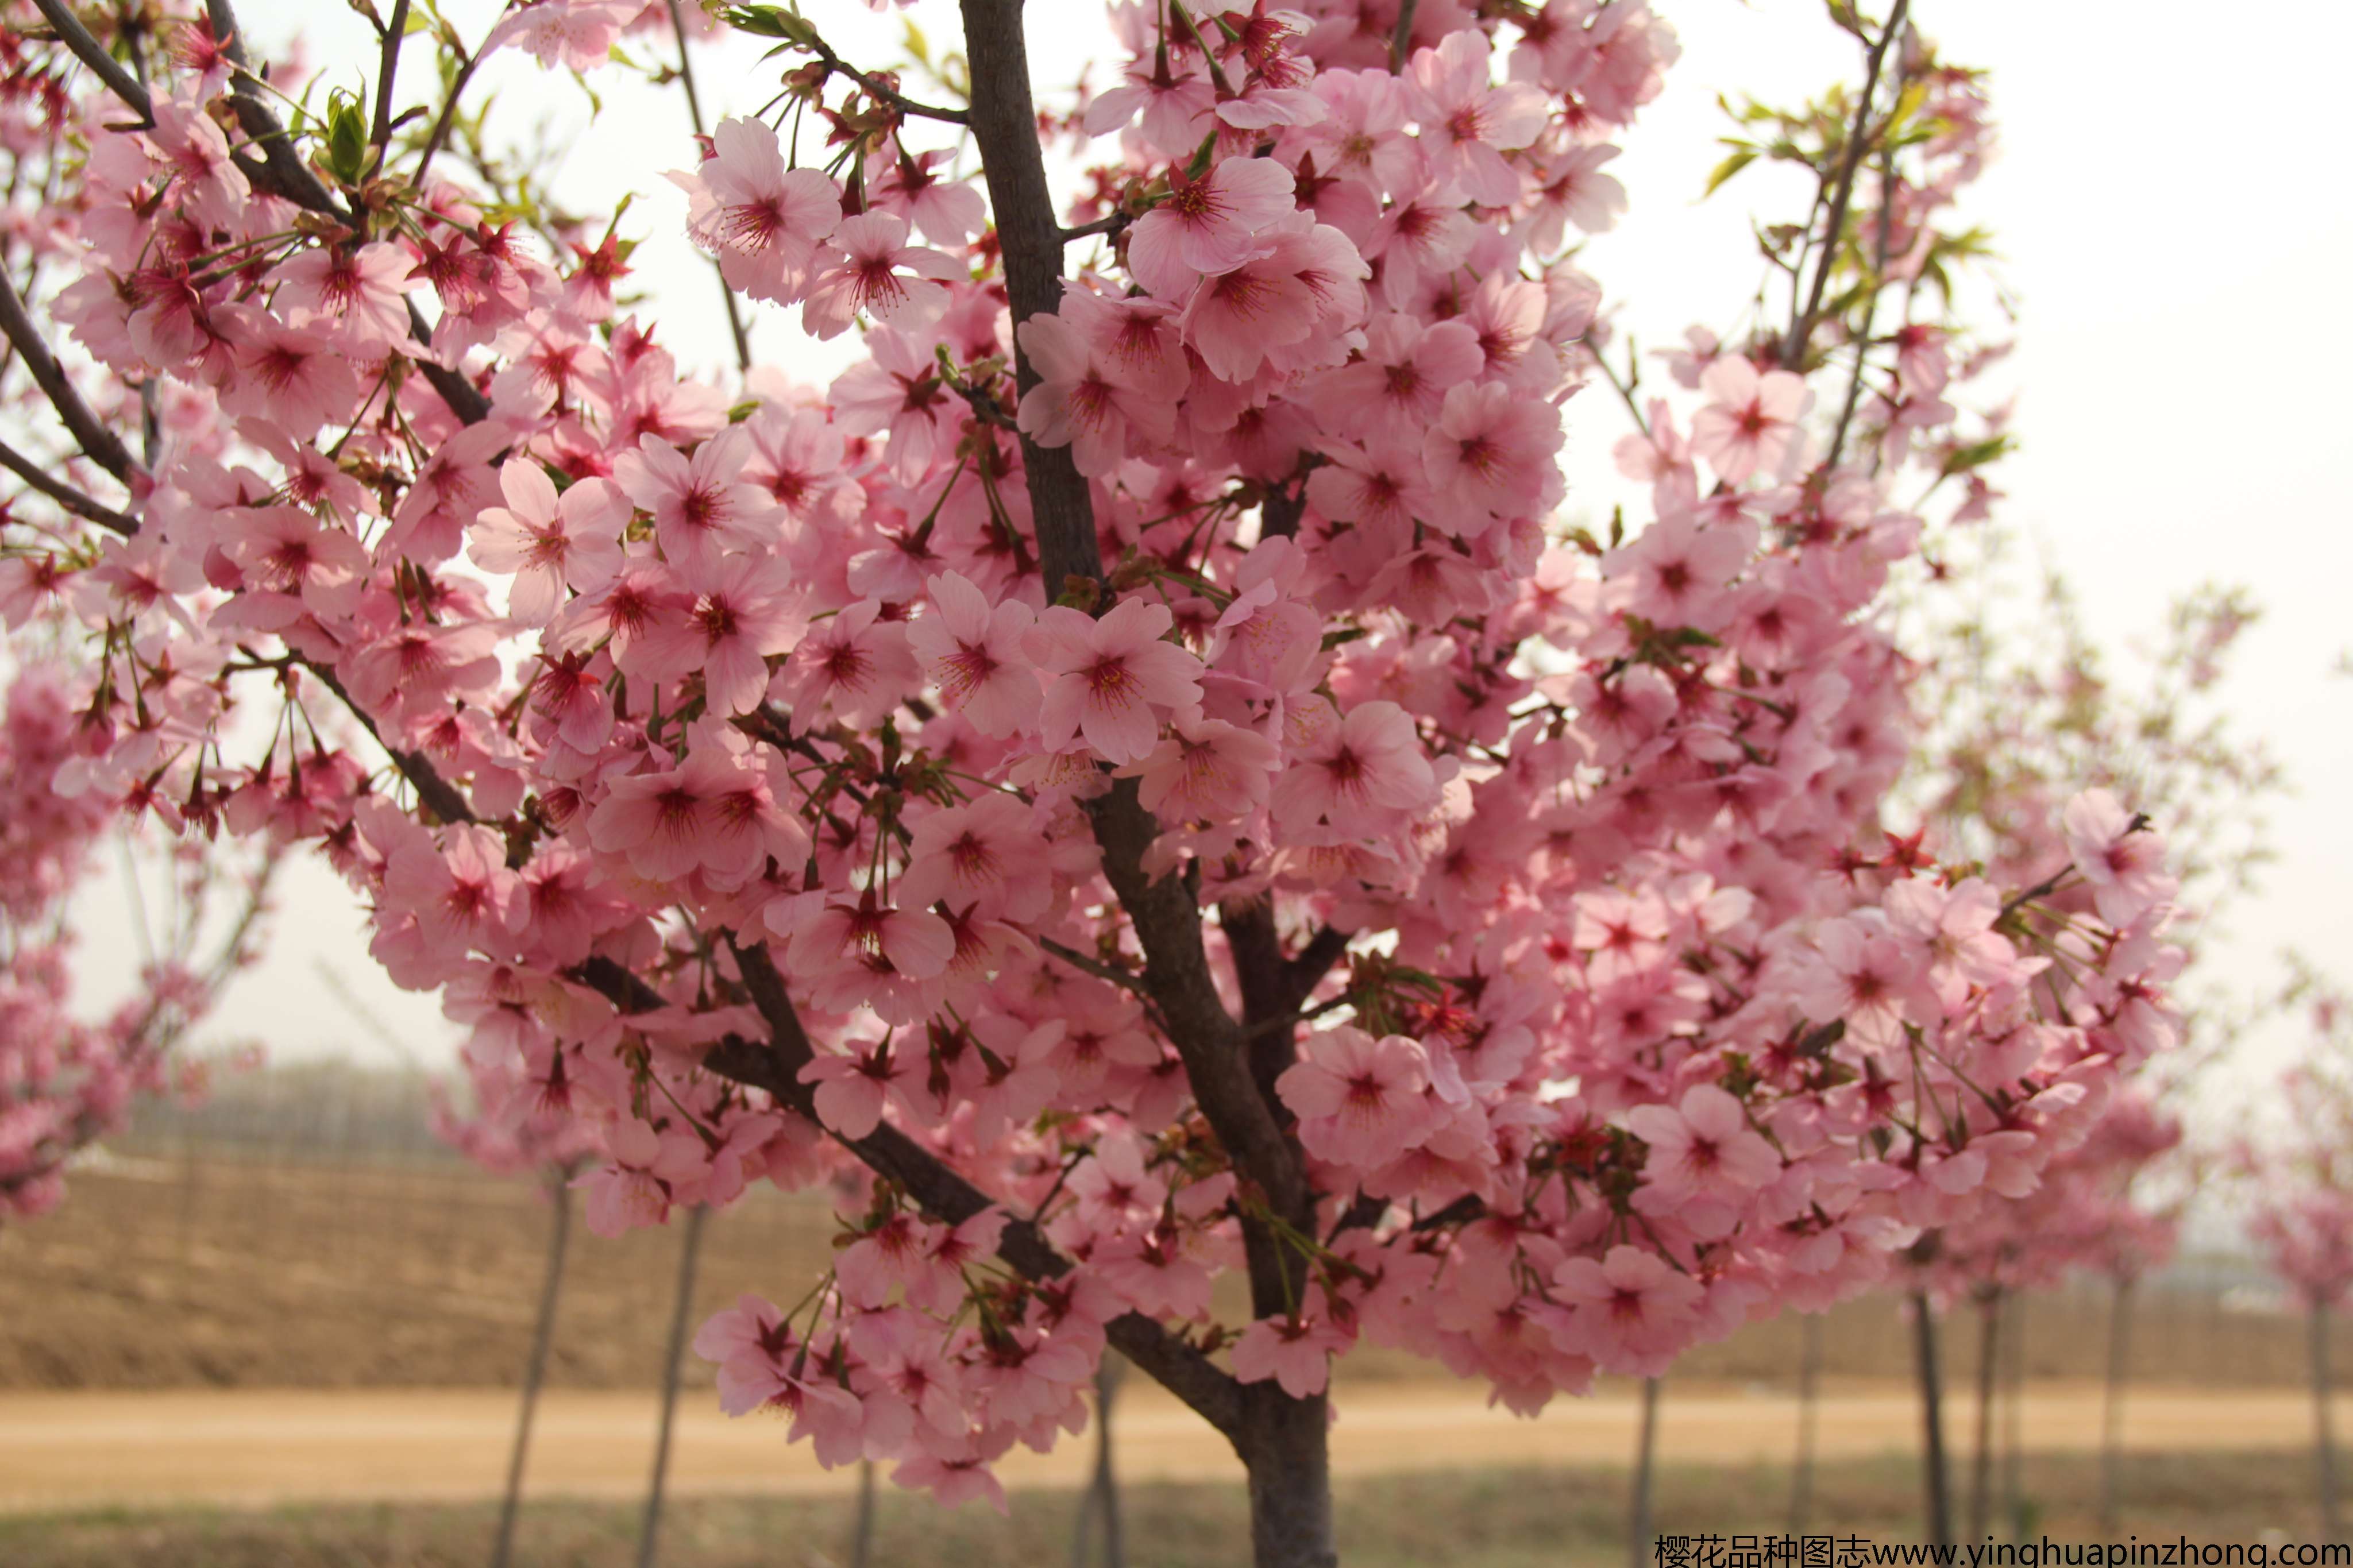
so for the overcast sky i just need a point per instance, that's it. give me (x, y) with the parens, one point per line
(2170, 207)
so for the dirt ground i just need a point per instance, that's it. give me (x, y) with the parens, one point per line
(252, 1447)
(199, 1269)
(1517, 1516)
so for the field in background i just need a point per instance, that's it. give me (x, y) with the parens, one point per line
(1516, 1518)
(319, 1267)
(302, 1232)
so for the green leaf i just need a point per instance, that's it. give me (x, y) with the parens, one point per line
(1201, 161)
(1742, 156)
(771, 22)
(347, 137)
(1976, 455)
(918, 46)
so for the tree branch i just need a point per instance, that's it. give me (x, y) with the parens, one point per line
(1857, 143)
(1126, 979)
(65, 495)
(695, 113)
(1111, 224)
(91, 53)
(1005, 126)
(380, 134)
(446, 800)
(1402, 39)
(99, 443)
(875, 88)
(774, 1066)
(286, 174)
(1163, 910)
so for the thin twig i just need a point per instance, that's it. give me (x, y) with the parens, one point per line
(381, 135)
(877, 90)
(694, 112)
(1126, 978)
(1857, 142)
(442, 121)
(1402, 39)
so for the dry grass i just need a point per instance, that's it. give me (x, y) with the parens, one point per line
(192, 1271)
(1486, 1519)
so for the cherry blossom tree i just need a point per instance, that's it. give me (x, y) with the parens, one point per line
(2302, 1187)
(1139, 767)
(67, 1082)
(509, 1129)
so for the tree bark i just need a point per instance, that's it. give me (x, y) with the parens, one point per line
(1281, 1440)
(1989, 1383)
(1646, 1447)
(1932, 1417)
(861, 1540)
(2323, 1425)
(2112, 1404)
(1285, 1448)
(534, 1369)
(1101, 1499)
(2013, 1419)
(1809, 1376)
(649, 1536)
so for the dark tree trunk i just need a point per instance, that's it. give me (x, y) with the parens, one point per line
(1290, 1481)
(534, 1369)
(1280, 1440)
(1932, 1418)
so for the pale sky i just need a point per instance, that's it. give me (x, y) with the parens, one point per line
(2170, 207)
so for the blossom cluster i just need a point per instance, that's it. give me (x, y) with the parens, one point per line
(66, 1081)
(1484, 931)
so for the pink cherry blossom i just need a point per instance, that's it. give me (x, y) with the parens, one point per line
(700, 504)
(973, 652)
(1208, 225)
(1111, 679)
(763, 221)
(549, 544)
(1750, 425)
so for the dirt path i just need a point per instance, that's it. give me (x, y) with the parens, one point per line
(248, 1447)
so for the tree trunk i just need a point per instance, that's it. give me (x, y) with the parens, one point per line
(1281, 1441)
(1989, 1382)
(1932, 1417)
(2324, 1428)
(1646, 1447)
(861, 1540)
(2013, 1418)
(1809, 1376)
(1101, 1499)
(1287, 1452)
(2112, 1404)
(535, 1369)
(649, 1536)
